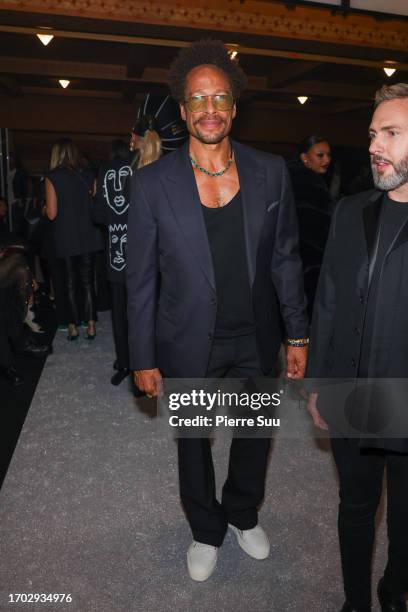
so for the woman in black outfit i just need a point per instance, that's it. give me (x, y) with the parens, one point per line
(68, 195)
(314, 204)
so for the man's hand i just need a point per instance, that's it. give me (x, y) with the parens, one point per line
(149, 381)
(296, 357)
(314, 413)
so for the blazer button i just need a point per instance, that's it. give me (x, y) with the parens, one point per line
(356, 329)
(213, 301)
(210, 336)
(353, 362)
(361, 299)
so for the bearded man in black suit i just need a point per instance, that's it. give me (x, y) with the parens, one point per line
(360, 331)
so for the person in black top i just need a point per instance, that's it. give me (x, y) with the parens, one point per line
(206, 288)
(314, 205)
(110, 208)
(360, 333)
(68, 191)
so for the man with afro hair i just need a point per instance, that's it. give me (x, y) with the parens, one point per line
(213, 267)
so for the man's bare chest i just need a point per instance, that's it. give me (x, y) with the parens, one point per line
(217, 191)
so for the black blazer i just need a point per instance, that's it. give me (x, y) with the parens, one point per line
(339, 315)
(172, 298)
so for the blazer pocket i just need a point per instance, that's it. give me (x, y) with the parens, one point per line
(272, 205)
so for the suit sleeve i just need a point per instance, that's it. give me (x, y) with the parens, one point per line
(324, 309)
(142, 273)
(287, 269)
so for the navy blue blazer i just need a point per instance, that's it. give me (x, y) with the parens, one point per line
(172, 299)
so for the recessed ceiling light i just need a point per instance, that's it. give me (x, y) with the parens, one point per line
(64, 83)
(232, 50)
(45, 38)
(303, 99)
(389, 71)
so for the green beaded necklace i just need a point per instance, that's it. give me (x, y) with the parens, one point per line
(195, 164)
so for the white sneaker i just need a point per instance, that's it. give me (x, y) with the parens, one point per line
(201, 560)
(254, 541)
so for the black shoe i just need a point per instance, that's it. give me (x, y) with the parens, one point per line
(73, 333)
(12, 375)
(31, 349)
(119, 376)
(390, 602)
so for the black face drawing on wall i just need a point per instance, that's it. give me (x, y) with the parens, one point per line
(117, 246)
(113, 189)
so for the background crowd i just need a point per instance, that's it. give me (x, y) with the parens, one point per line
(65, 240)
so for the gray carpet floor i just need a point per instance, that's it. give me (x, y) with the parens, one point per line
(90, 507)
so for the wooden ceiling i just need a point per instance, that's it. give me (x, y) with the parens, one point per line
(114, 52)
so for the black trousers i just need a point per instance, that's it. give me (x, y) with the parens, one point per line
(361, 474)
(120, 323)
(244, 488)
(80, 279)
(57, 271)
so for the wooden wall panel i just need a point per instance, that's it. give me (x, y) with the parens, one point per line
(36, 122)
(249, 17)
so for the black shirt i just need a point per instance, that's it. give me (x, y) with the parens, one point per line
(110, 208)
(393, 216)
(225, 230)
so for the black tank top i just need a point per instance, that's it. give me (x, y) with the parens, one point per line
(226, 237)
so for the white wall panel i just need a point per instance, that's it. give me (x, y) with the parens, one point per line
(332, 2)
(396, 7)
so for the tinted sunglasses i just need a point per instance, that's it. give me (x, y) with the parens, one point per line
(221, 102)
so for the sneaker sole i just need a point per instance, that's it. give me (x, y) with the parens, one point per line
(248, 551)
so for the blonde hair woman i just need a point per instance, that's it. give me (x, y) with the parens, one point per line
(146, 140)
(68, 190)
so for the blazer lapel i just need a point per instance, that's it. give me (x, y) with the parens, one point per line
(252, 185)
(184, 200)
(371, 218)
